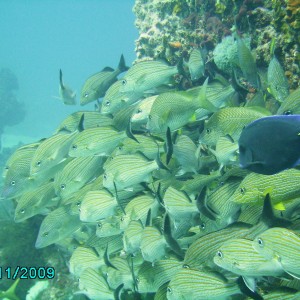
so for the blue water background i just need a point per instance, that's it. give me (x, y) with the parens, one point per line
(38, 37)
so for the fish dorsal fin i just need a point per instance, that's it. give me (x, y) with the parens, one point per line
(60, 79)
(107, 69)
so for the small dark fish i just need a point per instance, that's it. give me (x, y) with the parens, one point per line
(270, 145)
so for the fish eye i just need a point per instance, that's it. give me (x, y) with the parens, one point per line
(169, 290)
(120, 148)
(74, 147)
(45, 234)
(260, 242)
(124, 82)
(78, 203)
(107, 103)
(62, 186)
(220, 254)
(139, 111)
(22, 211)
(288, 112)
(208, 131)
(104, 176)
(38, 163)
(86, 95)
(222, 183)
(242, 190)
(99, 225)
(137, 280)
(13, 182)
(185, 266)
(122, 219)
(150, 117)
(6, 168)
(202, 226)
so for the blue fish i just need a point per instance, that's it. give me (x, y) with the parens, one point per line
(271, 144)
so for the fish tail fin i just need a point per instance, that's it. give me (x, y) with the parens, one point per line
(246, 290)
(122, 65)
(60, 79)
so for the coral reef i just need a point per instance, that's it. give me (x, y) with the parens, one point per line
(170, 29)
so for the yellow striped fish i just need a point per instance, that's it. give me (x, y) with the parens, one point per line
(185, 153)
(281, 244)
(147, 145)
(100, 141)
(178, 205)
(291, 104)
(19, 155)
(153, 244)
(57, 225)
(132, 236)
(229, 120)
(97, 205)
(93, 285)
(255, 187)
(114, 100)
(176, 109)
(121, 274)
(238, 256)
(83, 258)
(76, 174)
(96, 85)
(51, 152)
(91, 119)
(127, 170)
(109, 226)
(111, 244)
(151, 276)
(142, 110)
(189, 284)
(35, 202)
(203, 250)
(218, 201)
(147, 75)
(138, 208)
(226, 151)
(17, 173)
(277, 82)
(196, 64)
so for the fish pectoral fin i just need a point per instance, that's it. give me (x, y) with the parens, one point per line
(295, 275)
(279, 206)
(229, 137)
(250, 283)
(193, 118)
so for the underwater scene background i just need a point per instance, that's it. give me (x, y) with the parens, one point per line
(123, 126)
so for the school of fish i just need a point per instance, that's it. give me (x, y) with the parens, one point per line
(156, 194)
